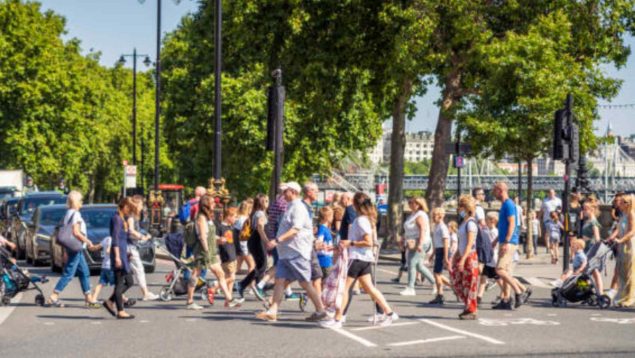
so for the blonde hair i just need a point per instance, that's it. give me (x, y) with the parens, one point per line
(492, 216)
(579, 243)
(421, 202)
(324, 213)
(439, 210)
(468, 203)
(74, 199)
(453, 226)
(245, 207)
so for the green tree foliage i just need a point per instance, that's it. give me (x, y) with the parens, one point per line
(62, 115)
(329, 111)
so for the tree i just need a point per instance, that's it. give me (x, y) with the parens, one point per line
(327, 95)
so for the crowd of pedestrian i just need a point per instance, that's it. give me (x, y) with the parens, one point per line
(332, 257)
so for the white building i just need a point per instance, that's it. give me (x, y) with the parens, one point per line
(376, 155)
(419, 146)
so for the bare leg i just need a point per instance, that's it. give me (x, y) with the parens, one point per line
(345, 297)
(313, 295)
(367, 283)
(192, 285)
(598, 281)
(217, 270)
(317, 286)
(278, 292)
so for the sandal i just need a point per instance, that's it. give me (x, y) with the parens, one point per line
(57, 303)
(94, 305)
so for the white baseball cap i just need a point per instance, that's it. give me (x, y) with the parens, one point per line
(294, 186)
(283, 187)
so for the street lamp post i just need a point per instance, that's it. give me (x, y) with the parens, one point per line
(217, 183)
(147, 62)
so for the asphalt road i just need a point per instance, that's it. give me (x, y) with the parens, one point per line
(167, 329)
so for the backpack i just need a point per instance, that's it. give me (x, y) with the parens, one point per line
(184, 212)
(483, 247)
(190, 236)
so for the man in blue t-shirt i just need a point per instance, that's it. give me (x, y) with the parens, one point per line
(508, 235)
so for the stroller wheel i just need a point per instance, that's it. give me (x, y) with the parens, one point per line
(5, 301)
(592, 300)
(166, 294)
(39, 300)
(554, 299)
(604, 302)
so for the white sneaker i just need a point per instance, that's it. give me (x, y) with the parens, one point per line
(378, 317)
(150, 297)
(333, 324)
(389, 319)
(434, 291)
(343, 320)
(611, 293)
(194, 306)
(408, 292)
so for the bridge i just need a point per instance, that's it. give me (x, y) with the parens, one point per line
(367, 182)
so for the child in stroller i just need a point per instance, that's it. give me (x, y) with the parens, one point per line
(176, 283)
(579, 284)
(14, 279)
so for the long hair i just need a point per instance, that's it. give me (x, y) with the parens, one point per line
(420, 202)
(468, 203)
(364, 206)
(124, 203)
(245, 207)
(206, 206)
(260, 203)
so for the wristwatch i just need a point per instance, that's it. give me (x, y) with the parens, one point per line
(277, 240)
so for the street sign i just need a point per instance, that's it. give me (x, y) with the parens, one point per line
(465, 148)
(459, 161)
(130, 176)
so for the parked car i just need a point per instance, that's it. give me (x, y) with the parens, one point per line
(97, 218)
(45, 220)
(23, 219)
(8, 192)
(8, 210)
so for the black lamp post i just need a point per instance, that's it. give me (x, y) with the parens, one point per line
(147, 62)
(217, 183)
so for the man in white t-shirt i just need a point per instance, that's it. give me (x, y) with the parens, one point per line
(479, 196)
(550, 204)
(294, 242)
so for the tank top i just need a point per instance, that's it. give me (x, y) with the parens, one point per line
(411, 229)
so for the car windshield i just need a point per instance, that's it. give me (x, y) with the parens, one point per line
(98, 218)
(51, 217)
(30, 204)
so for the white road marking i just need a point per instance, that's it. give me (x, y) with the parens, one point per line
(596, 315)
(387, 271)
(460, 331)
(400, 324)
(536, 282)
(95, 323)
(49, 323)
(515, 321)
(357, 339)
(423, 341)
(552, 315)
(191, 320)
(144, 321)
(5, 312)
(614, 320)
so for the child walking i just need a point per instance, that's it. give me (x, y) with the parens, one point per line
(554, 229)
(324, 244)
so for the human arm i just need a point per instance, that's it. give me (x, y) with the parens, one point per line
(201, 226)
(132, 231)
(260, 227)
(631, 229)
(77, 232)
(509, 234)
(471, 239)
(581, 268)
(421, 223)
(446, 252)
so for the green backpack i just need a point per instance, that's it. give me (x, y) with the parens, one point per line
(190, 237)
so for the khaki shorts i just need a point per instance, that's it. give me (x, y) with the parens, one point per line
(505, 261)
(230, 268)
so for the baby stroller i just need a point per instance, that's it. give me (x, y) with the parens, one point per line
(176, 284)
(583, 288)
(14, 279)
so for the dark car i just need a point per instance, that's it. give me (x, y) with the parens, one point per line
(7, 192)
(38, 239)
(23, 219)
(97, 218)
(8, 210)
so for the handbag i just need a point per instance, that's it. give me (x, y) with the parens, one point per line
(66, 238)
(411, 245)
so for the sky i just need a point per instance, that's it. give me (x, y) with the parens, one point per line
(115, 27)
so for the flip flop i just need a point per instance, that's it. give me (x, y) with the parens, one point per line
(110, 310)
(57, 303)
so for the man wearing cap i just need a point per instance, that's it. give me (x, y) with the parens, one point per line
(294, 242)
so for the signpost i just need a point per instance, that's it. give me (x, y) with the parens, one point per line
(129, 177)
(458, 150)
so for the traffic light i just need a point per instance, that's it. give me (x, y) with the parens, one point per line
(560, 147)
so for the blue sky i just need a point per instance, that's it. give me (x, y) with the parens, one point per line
(114, 27)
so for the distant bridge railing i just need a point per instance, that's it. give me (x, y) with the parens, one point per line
(367, 182)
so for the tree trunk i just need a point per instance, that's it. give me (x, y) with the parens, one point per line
(530, 204)
(397, 147)
(442, 136)
(91, 188)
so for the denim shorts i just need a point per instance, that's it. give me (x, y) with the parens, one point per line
(295, 269)
(107, 277)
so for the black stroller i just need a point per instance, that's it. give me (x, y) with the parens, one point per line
(583, 288)
(13, 279)
(176, 284)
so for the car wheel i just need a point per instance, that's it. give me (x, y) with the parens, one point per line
(54, 267)
(20, 251)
